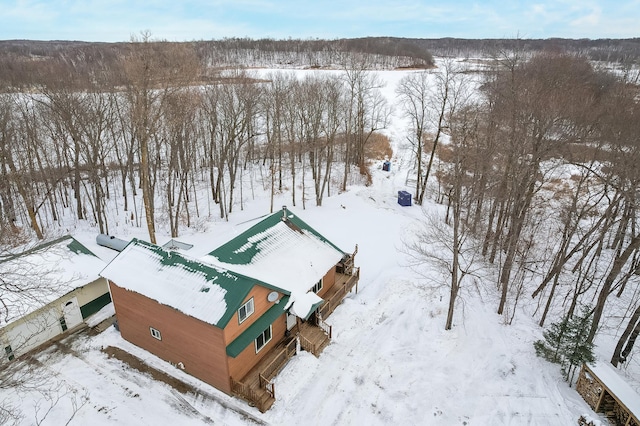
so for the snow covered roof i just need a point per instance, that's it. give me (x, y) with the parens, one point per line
(36, 277)
(284, 251)
(616, 384)
(201, 291)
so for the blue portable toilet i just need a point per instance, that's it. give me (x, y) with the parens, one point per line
(404, 198)
(386, 166)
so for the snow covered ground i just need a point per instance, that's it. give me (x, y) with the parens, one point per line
(390, 360)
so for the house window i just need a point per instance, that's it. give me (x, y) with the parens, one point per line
(9, 352)
(263, 339)
(155, 333)
(63, 324)
(245, 311)
(317, 287)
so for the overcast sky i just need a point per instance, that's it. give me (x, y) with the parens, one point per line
(182, 20)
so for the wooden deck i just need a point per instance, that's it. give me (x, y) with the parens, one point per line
(343, 286)
(257, 386)
(313, 335)
(313, 338)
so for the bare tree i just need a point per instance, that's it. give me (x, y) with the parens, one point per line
(277, 97)
(27, 283)
(179, 147)
(448, 244)
(449, 93)
(414, 90)
(152, 71)
(319, 111)
(449, 249)
(366, 113)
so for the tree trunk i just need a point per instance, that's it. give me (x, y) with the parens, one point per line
(606, 287)
(632, 329)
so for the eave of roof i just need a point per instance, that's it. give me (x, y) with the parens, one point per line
(73, 245)
(254, 330)
(194, 282)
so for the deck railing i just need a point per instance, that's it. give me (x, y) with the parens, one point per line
(341, 290)
(257, 396)
(324, 326)
(267, 385)
(307, 344)
(270, 371)
(252, 395)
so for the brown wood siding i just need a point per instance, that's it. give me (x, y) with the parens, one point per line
(199, 346)
(260, 306)
(248, 358)
(328, 281)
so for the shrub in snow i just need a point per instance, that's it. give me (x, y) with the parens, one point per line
(565, 343)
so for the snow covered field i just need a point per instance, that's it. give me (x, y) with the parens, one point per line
(390, 360)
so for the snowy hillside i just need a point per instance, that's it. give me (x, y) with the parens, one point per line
(390, 360)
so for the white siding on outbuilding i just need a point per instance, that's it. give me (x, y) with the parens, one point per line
(58, 285)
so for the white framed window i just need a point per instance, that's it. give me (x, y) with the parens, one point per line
(263, 339)
(317, 287)
(245, 311)
(155, 333)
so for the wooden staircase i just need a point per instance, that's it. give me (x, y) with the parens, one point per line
(313, 338)
(255, 396)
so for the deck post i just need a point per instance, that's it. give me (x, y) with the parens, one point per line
(597, 407)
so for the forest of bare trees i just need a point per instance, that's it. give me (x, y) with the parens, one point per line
(73, 137)
(539, 166)
(542, 171)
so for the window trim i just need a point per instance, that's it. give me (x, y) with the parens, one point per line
(155, 333)
(319, 285)
(258, 349)
(248, 314)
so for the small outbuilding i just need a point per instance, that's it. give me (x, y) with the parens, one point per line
(606, 392)
(47, 291)
(404, 198)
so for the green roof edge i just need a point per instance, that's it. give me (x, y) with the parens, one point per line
(313, 308)
(227, 252)
(253, 331)
(236, 293)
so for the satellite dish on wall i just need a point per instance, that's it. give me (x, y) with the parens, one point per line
(273, 296)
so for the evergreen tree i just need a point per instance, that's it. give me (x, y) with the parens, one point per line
(566, 343)
(555, 340)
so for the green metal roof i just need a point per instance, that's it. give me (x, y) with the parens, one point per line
(253, 331)
(241, 251)
(313, 308)
(237, 286)
(78, 248)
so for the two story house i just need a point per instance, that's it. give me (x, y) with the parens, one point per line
(234, 317)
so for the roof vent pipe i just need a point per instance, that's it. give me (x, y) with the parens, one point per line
(284, 213)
